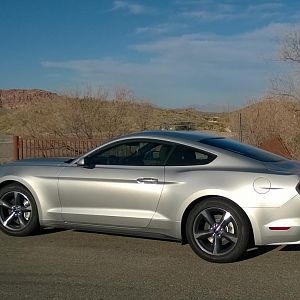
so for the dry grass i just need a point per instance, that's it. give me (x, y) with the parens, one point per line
(268, 118)
(96, 117)
(103, 118)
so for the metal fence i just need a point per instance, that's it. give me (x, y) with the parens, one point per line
(5, 148)
(28, 147)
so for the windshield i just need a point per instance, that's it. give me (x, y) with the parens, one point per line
(242, 149)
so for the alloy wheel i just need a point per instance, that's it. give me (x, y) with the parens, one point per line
(215, 231)
(15, 210)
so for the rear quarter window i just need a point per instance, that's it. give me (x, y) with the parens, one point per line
(188, 156)
(242, 149)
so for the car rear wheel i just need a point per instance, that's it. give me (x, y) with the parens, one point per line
(18, 211)
(218, 230)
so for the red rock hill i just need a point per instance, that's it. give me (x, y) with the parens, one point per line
(17, 97)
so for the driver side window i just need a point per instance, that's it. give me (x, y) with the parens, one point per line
(133, 153)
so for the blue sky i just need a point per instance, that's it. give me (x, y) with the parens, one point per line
(174, 53)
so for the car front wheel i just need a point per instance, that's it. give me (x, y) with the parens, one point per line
(18, 211)
(218, 230)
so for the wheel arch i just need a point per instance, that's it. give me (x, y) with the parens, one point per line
(10, 181)
(198, 200)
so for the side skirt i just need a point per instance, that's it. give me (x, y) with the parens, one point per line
(128, 231)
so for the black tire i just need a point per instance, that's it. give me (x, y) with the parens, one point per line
(18, 211)
(218, 230)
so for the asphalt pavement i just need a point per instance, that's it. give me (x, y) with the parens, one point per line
(67, 264)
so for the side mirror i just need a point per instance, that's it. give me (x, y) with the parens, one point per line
(86, 163)
(81, 162)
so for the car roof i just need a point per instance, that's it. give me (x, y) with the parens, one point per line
(178, 135)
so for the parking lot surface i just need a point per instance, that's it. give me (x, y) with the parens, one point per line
(64, 264)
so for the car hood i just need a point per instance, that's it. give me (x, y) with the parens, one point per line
(58, 161)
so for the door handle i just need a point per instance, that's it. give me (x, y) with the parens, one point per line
(147, 180)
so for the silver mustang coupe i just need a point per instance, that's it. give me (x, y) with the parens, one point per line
(216, 194)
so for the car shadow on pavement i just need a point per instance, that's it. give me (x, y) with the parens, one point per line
(261, 250)
(291, 248)
(258, 251)
(49, 230)
(128, 235)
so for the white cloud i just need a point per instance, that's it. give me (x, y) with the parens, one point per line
(160, 28)
(133, 8)
(192, 2)
(190, 67)
(217, 48)
(221, 11)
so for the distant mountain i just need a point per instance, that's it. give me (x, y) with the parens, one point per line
(215, 107)
(19, 97)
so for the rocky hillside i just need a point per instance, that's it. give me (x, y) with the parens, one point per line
(42, 113)
(266, 119)
(17, 97)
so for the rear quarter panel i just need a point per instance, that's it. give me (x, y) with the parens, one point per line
(184, 185)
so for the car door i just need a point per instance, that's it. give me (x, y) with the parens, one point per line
(119, 185)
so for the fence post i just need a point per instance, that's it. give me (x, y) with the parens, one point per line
(241, 130)
(15, 147)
